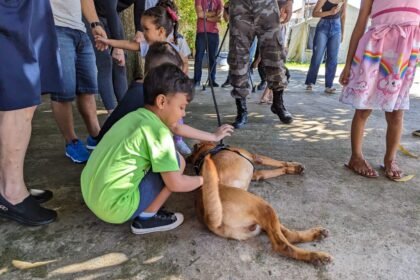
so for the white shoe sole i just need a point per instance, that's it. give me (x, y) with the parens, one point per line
(179, 221)
(74, 160)
(90, 147)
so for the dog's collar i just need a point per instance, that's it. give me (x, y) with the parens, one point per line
(198, 164)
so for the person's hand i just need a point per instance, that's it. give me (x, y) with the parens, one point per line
(100, 32)
(335, 10)
(101, 42)
(118, 55)
(138, 37)
(287, 10)
(344, 77)
(222, 132)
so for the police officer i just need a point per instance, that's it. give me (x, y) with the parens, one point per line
(261, 18)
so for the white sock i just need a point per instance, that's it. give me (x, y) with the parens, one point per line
(146, 215)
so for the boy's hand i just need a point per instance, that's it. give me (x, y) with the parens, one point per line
(222, 132)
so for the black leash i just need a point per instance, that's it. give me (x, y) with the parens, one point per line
(198, 164)
(219, 122)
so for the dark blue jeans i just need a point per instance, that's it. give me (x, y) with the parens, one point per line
(327, 37)
(200, 48)
(112, 78)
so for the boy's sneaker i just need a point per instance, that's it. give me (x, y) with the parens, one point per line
(91, 143)
(162, 221)
(182, 148)
(416, 133)
(77, 151)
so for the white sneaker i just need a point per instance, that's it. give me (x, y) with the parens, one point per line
(330, 90)
(182, 147)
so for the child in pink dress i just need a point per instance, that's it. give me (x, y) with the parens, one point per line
(378, 74)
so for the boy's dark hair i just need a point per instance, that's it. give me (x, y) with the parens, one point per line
(159, 53)
(165, 14)
(166, 79)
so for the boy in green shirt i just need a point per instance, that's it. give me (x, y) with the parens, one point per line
(135, 167)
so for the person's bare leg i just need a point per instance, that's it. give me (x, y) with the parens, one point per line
(15, 132)
(357, 161)
(87, 107)
(393, 136)
(63, 115)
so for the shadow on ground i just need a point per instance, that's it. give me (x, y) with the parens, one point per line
(374, 223)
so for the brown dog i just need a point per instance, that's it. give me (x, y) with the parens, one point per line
(230, 211)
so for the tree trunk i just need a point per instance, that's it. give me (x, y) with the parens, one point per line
(133, 60)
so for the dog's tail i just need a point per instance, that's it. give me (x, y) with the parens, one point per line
(213, 210)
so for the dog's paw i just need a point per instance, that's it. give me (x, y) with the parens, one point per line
(320, 233)
(320, 258)
(296, 169)
(300, 169)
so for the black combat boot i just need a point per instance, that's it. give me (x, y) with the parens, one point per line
(242, 116)
(279, 109)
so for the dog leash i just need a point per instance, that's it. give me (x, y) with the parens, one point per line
(198, 164)
(219, 122)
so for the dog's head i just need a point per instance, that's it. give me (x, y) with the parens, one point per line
(199, 149)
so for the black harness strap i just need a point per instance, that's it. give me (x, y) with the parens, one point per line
(198, 164)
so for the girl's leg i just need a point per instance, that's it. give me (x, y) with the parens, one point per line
(357, 161)
(393, 136)
(319, 46)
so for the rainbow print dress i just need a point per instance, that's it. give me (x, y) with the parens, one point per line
(384, 65)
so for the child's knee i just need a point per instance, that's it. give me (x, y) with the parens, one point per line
(395, 117)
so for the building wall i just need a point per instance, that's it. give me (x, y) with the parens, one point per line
(305, 56)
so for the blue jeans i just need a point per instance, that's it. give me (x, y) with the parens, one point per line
(327, 36)
(78, 63)
(200, 48)
(112, 78)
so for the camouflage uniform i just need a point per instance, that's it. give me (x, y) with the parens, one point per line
(249, 18)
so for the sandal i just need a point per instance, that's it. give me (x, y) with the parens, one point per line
(390, 172)
(371, 173)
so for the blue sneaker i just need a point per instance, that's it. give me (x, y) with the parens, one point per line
(91, 143)
(77, 151)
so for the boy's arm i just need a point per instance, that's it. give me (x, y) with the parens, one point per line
(193, 133)
(175, 181)
(121, 44)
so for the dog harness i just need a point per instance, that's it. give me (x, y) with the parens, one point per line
(198, 164)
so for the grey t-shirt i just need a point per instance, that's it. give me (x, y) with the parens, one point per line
(68, 13)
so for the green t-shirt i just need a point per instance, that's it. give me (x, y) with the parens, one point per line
(111, 178)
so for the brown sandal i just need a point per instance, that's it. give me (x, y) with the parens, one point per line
(367, 174)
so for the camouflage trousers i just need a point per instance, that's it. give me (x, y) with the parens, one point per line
(247, 19)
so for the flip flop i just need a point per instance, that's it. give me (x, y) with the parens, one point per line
(362, 174)
(390, 177)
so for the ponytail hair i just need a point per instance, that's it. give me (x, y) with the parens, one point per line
(171, 11)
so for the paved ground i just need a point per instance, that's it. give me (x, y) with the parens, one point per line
(374, 224)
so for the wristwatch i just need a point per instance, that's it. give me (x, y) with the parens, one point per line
(94, 24)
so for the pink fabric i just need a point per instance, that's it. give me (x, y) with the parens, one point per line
(208, 5)
(383, 68)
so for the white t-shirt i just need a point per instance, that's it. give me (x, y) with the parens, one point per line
(181, 47)
(150, 4)
(68, 13)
